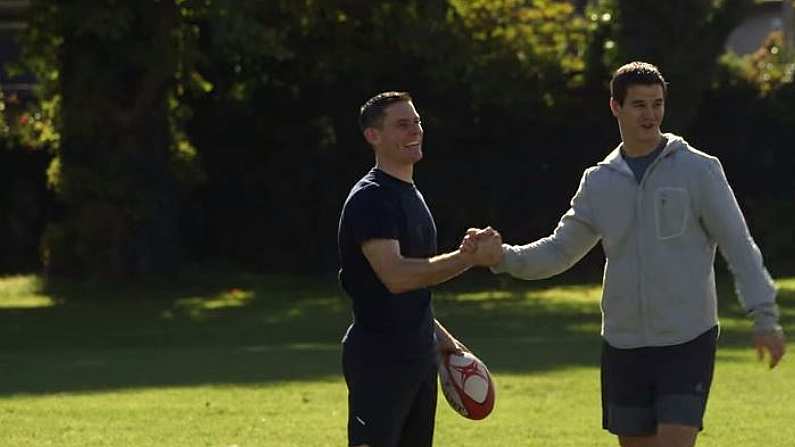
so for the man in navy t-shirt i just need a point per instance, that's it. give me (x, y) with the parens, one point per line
(388, 257)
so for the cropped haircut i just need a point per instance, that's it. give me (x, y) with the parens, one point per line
(635, 73)
(372, 114)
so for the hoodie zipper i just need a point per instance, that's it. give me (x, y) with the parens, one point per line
(639, 247)
(623, 168)
(639, 209)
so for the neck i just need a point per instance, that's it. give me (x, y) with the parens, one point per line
(405, 173)
(641, 148)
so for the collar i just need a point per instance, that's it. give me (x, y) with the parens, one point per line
(614, 160)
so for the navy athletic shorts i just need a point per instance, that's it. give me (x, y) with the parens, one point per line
(391, 403)
(647, 386)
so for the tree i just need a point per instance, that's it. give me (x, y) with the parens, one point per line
(112, 74)
(683, 37)
(278, 134)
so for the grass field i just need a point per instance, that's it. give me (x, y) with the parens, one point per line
(242, 360)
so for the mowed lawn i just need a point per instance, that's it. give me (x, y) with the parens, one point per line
(245, 360)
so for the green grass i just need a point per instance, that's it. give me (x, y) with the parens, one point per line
(243, 360)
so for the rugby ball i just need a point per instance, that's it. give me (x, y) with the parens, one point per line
(466, 384)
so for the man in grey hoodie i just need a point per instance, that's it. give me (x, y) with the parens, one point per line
(660, 208)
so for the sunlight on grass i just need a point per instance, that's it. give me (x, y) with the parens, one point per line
(484, 296)
(589, 293)
(735, 323)
(306, 309)
(787, 284)
(26, 302)
(570, 294)
(580, 299)
(23, 292)
(271, 374)
(208, 415)
(199, 307)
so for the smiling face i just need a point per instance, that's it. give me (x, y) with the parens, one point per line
(398, 140)
(640, 116)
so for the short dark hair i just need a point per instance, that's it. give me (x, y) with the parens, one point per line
(635, 73)
(371, 114)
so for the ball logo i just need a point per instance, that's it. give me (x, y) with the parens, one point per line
(471, 380)
(467, 385)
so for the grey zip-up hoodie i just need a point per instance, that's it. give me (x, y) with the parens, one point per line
(659, 238)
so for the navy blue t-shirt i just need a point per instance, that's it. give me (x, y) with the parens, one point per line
(400, 325)
(639, 165)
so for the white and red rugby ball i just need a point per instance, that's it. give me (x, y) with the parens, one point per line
(466, 384)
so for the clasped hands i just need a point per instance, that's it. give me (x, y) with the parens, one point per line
(482, 246)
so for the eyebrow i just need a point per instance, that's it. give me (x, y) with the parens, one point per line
(643, 101)
(404, 120)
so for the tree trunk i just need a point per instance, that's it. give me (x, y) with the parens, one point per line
(116, 180)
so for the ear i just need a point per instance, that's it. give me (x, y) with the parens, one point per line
(372, 136)
(615, 107)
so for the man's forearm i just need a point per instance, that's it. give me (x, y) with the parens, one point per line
(440, 330)
(551, 255)
(410, 273)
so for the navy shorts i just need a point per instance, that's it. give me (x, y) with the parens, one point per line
(647, 386)
(391, 403)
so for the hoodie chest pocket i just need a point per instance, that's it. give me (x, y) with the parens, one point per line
(671, 211)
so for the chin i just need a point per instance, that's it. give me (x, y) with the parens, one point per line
(649, 135)
(415, 156)
(654, 131)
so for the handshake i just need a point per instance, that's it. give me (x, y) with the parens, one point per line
(482, 247)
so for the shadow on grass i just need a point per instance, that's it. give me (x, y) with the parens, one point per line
(232, 329)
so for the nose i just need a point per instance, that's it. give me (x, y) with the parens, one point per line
(649, 115)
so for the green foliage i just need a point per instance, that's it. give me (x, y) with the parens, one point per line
(23, 197)
(190, 129)
(120, 160)
(768, 69)
(682, 37)
(36, 126)
(539, 42)
(288, 78)
(4, 129)
(751, 101)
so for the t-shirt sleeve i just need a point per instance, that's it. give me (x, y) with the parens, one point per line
(373, 216)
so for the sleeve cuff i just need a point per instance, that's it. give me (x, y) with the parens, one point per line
(502, 267)
(766, 319)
